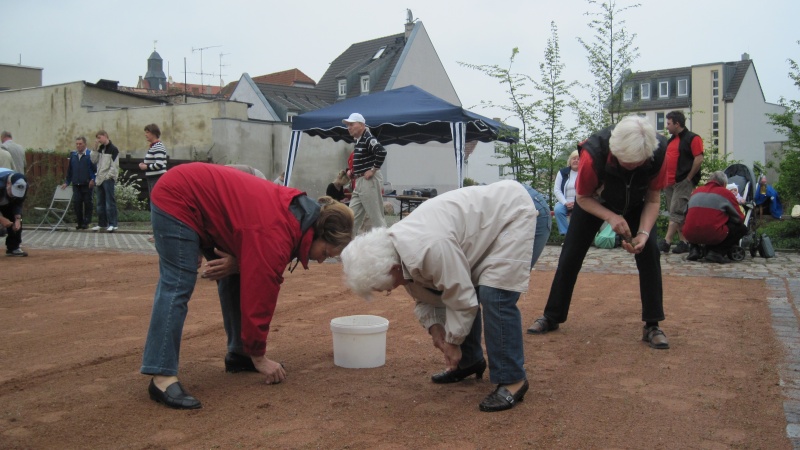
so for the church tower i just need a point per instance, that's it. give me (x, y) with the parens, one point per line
(155, 72)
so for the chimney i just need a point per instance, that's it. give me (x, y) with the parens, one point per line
(745, 57)
(409, 27)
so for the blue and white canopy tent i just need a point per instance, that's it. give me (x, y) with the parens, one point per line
(401, 116)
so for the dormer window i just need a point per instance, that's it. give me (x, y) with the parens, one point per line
(683, 87)
(645, 91)
(342, 88)
(379, 52)
(627, 94)
(663, 89)
(365, 84)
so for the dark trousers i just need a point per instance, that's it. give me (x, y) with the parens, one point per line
(580, 235)
(736, 231)
(82, 202)
(13, 238)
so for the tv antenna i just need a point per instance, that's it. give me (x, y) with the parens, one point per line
(201, 60)
(221, 83)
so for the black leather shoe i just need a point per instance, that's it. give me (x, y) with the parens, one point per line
(237, 363)
(695, 252)
(542, 325)
(454, 376)
(174, 397)
(501, 399)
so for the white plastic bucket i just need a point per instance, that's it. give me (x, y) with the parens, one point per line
(359, 342)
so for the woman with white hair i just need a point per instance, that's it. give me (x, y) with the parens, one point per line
(621, 175)
(564, 190)
(464, 256)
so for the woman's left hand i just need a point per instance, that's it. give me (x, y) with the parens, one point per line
(636, 245)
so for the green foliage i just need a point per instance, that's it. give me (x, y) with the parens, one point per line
(126, 192)
(543, 138)
(788, 185)
(610, 53)
(784, 234)
(713, 161)
(470, 182)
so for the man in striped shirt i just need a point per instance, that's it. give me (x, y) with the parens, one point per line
(368, 158)
(155, 161)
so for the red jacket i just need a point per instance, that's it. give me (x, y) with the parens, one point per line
(247, 217)
(710, 208)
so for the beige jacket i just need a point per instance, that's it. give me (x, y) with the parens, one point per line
(479, 235)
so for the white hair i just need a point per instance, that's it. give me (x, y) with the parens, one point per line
(633, 140)
(367, 261)
(720, 177)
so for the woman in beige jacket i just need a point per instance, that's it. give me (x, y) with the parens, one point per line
(465, 257)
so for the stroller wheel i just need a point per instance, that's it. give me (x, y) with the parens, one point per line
(737, 253)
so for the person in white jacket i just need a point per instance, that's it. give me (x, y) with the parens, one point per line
(465, 257)
(564, 189)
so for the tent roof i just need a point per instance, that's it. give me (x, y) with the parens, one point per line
(402, 116)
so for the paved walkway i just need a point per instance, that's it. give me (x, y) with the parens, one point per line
(781, 274)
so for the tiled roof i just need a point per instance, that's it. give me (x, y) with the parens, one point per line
(294, 99)
(654, 77)
(740, 69)
(289, 77)
(357, 59)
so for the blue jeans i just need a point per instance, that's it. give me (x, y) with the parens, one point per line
(106, 204)
(178, 249)
(543, 223)
(561, 213)
(501, 320)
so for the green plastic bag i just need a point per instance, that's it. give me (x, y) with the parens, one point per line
(606, 237)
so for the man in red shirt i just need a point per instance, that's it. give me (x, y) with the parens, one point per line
(684, 158)
(714, 219)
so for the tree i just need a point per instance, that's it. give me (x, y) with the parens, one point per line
(543, 136)
(611, 54)
(552, 136)
(787, 124)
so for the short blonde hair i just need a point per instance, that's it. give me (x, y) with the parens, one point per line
(633, 140)
(335, 223)
(574, 154)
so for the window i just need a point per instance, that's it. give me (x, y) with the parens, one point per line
(683, 87)
(645, 91)
(379, 52)
(627, 93)
(663, 89)
(365, 84)
(290, 116)
(342, 88)
(659, 122)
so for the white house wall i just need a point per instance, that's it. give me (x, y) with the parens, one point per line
(431, 165)
(748, 123)
(482, 164)
(420, 65)
(247, 92)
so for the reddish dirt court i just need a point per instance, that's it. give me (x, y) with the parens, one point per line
(73, 325)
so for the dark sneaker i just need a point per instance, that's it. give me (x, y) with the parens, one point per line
(716, 257)
(542, 325)
(663, 246)
(682, 247)
(17, 252)
(695, 252)
(655, 337)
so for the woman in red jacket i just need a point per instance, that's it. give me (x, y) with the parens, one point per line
(199, 207)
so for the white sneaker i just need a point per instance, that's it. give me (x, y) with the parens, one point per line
(96, 228)
(111, 228)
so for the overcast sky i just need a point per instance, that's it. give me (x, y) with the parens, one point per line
(93, 39)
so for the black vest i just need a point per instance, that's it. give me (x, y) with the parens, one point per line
(623, 190)
(685, 157)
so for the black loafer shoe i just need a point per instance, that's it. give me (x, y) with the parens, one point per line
(695, 252)
(542, 325)
(501, 399)
(454, 376)
(174, 396)
(237, 363)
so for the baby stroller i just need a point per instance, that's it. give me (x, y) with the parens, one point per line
(744, 178)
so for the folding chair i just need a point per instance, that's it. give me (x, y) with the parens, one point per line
(54, 214)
